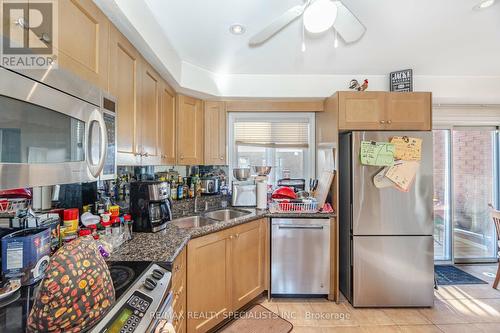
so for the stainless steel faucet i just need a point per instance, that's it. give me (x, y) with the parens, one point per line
(196, 204)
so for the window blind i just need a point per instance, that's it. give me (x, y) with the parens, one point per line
(465, 115)
(272, 134)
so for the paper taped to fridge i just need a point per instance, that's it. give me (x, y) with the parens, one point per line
(407, 148)
(377, 153)
(402, 174)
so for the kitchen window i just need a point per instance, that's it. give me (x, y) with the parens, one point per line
(284, 141)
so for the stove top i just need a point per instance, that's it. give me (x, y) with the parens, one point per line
(124, 273)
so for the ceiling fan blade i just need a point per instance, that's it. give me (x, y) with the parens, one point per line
(347, 25)
(277, 25)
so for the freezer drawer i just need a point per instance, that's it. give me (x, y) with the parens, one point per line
(300, 256)
(393, 271)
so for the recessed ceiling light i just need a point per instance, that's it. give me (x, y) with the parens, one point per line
(484, 4)
(237, 29)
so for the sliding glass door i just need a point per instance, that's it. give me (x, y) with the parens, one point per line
(466, 177)
(442, 196)
(474, 178)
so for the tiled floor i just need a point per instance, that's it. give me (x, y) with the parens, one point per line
(467, 308)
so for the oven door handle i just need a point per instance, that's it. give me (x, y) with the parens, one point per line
(95, 169)
(163, 312)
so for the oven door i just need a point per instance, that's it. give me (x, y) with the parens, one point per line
(47, 136)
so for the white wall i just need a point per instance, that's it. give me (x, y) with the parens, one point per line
(135, 21)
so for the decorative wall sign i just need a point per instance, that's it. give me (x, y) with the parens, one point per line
(401, 80)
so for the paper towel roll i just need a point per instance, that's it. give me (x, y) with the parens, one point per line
(46, 197)
(262, 194)
(36, 203)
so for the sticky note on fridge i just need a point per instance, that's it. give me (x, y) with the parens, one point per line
(407, 148)
(403, 173)
(377, 153)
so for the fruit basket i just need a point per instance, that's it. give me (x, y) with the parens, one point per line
(289, 206)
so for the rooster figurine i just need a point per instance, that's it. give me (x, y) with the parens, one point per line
(364, 86)
(354, 85)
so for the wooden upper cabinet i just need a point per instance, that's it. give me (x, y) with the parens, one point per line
(409, 111)
(149, 110)
(167, 124)
(247, 262)
(208, 281)
(215, 133)
(123, 85)
(384, 110)
(83, 40)
(189, 130)
(363, 110)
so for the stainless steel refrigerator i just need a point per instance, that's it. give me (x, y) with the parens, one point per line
(385, 235)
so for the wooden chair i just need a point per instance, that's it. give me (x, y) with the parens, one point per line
(495, 214)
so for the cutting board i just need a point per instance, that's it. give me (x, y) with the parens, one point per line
(324, 184)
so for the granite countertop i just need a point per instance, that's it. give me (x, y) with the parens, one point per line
(165, 245)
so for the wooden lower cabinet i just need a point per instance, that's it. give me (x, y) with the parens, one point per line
(225, 270)
(247, 263)
(208, 295)
(179, 291)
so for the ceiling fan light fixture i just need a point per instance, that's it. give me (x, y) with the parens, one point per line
(483, 4)
(319, 16)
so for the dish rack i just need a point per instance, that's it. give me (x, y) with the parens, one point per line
(9, 206)
(285, 206)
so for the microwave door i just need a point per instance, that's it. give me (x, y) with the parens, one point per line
(44, 135)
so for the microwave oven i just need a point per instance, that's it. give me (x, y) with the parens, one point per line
(54, 129)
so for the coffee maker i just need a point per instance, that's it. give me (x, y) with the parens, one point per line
(150, 205)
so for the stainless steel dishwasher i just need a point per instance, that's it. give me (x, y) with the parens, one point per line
(300, 256)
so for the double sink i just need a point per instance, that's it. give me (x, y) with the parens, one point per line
(216, 216)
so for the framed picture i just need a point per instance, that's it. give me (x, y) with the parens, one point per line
(401, 80)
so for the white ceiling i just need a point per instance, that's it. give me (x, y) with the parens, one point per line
(442, 38)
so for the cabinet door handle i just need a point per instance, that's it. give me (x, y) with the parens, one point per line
(237, 235)
(182, 156)
(389, 121)
(231, 237)
(221, 158)
(382, 121)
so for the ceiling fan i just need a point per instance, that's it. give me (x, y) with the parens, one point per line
(318, 16)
